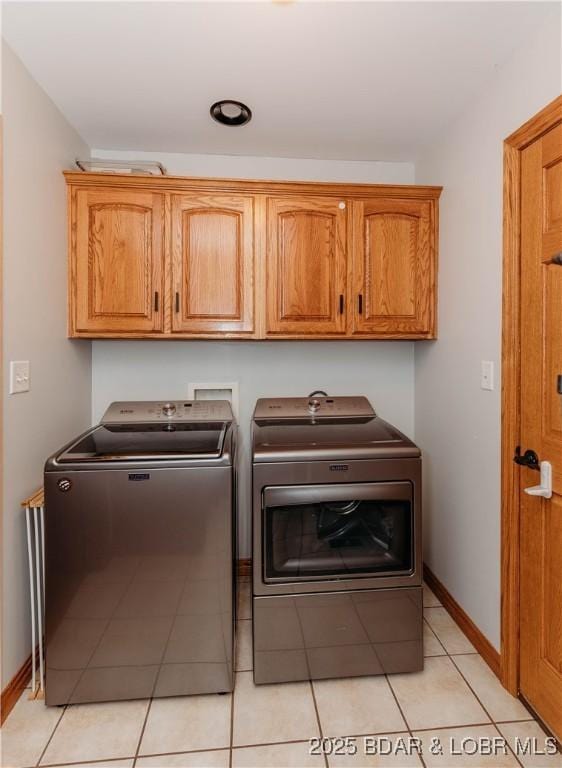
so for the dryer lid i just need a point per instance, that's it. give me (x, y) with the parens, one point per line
(331, 439)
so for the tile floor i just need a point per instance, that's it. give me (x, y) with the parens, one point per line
(456, 699)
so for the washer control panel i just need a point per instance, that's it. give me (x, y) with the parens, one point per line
(312, 407)
(167, 411)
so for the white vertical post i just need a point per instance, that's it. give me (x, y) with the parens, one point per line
(39, 601)
(42, 605)
(42, 515)
(32, 595)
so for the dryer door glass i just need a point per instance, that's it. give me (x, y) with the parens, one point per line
(342, 531)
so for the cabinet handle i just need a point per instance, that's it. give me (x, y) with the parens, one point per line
(177, 301)
(156, 301)
(360, 303)
(341, 303)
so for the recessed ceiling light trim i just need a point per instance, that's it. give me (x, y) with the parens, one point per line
(240, 113)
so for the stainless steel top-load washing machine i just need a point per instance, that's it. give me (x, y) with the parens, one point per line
(139, 537)
(337, 568)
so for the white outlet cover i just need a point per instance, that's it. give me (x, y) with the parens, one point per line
(19, 376)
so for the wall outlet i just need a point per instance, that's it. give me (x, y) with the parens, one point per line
(487, 374)
(19, 376)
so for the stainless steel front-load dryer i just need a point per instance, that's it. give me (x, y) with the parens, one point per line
(139, 529)
(337, 569)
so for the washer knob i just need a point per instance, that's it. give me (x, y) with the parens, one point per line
(168, 409)
(313, 405)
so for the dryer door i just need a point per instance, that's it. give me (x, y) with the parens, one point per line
(319, 532)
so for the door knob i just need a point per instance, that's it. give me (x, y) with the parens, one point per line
(529, 459)
(545, 487)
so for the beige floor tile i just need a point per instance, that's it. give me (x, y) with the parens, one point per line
(185, 723)
(244, 646)
(516, 735)
(276, 756)
(383, 751)
(454, 748)
(89, 732)
(500, 704)
(450, 636)
(431, 645)
(26, 731)
(244, 610)
(357, 705)
(265, 714)
(437, 697)
(218, 758)
(429, 599)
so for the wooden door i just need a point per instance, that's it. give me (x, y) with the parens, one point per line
(541, 426)
(393, 267)
(117, 269)
(212, 263)
(306, 266)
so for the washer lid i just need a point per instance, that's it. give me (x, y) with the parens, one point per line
(148, 442)
(330, 439)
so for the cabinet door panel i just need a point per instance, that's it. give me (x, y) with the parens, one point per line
(393, 267)
(306, 266)
(213, 257)
(117, 272)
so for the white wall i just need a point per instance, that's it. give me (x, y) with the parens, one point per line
(38, 145)
(384, 371)
(283, 168)
(150, 370)
(457, 423)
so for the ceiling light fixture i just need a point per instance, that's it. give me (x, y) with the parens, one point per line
(230, 112)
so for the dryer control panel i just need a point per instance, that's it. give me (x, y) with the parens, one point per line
(146, 411)
(313, 407)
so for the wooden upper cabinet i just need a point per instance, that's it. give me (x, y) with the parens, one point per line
(221, 258)
(212, 263)
(393, 267)
(117, 262)
(306, 266)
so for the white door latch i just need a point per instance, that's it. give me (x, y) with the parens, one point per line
(545, 487)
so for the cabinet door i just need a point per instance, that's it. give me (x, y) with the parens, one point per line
(116, 272)
(306, 266)
(212, 263)
(393, 270)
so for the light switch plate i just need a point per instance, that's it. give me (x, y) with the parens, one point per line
(487, 374)
(19, 376)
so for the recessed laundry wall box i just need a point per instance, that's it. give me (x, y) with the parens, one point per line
(172, 257)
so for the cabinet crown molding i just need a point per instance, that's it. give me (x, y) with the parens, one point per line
(251, 186)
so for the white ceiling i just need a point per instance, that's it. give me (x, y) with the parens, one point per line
(352, 80)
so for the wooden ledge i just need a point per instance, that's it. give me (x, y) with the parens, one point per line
(36, 500)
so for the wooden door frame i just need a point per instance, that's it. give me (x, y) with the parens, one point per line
(547, 118)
